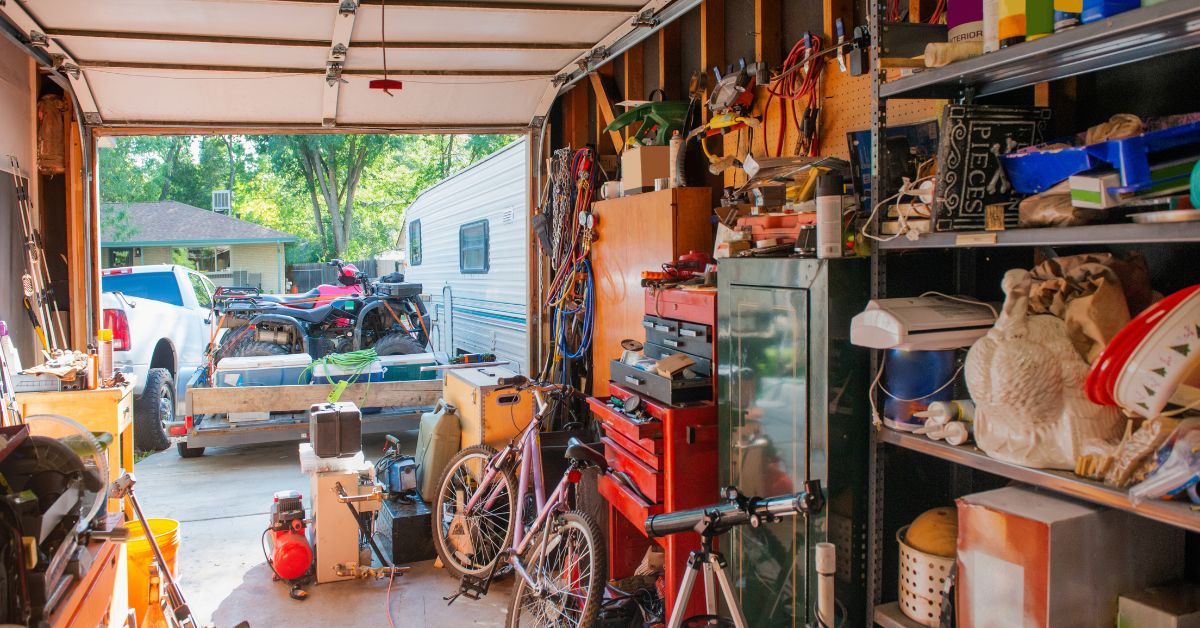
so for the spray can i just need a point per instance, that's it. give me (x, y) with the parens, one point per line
(1039, 19)
(1066, 14)
(104, 350)
(8, 350)
(991, 25)
(829, 215)
(1011, 29)
(676, 156)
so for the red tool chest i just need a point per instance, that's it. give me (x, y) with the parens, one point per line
(672, 461)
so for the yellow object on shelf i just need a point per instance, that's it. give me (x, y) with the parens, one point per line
(140, 559)
(935, 532)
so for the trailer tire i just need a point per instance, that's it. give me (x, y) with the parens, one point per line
(188, 452)
(257, 349)
(398, 344)
(153, 410)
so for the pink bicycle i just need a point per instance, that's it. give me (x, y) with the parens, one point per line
(480, 525)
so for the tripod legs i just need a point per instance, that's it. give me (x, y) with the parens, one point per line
(713, 565)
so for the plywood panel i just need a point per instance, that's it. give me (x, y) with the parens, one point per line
(635, 234)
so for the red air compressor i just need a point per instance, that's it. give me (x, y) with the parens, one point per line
(290, 556)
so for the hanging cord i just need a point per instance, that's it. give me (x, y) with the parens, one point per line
(800, 83)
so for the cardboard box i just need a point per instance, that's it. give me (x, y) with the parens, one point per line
(673, 365)
(1175, 605)
(1032, 559)
(641, 165)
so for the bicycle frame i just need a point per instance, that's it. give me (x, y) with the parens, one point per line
(530, 471)
(531, 456)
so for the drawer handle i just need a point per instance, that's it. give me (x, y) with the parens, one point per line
(689, 332)
(629, 379)
(671, 343)
(647, 324)
(662, 328)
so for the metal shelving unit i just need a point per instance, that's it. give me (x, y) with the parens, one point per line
(1175, 513)
(1143, 33)
(1127, 233)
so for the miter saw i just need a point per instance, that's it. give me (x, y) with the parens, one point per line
(729, 104)
(53, 493)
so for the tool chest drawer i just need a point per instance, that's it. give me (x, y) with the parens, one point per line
(645, 435)
(695, 306)
(697, 343)
(661, 325)
(703, 364)
(657, 387)
(634, 508)
(647, 479)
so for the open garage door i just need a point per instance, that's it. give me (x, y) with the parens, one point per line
(465, 65)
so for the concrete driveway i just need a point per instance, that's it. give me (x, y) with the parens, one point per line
(222, 500)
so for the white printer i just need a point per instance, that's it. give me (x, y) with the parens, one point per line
(925, 323)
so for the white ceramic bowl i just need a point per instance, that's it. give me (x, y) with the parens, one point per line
(1162, 361)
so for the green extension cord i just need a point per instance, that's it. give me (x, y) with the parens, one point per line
(354, 361)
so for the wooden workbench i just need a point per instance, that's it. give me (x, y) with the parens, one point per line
(101, 410)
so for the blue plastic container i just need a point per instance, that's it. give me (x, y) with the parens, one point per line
(915, 377)
(1094, 10)
(272, 370)
(1031, 173)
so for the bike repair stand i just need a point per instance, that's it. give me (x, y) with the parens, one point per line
(712, 563)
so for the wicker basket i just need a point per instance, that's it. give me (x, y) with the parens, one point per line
(922, 582)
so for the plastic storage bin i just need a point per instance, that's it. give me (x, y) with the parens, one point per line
(331, 374)
(272, 370)
(404, 368)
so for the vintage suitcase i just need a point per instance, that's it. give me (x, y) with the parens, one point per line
(335, 429)
(437, 442)
(404, 531)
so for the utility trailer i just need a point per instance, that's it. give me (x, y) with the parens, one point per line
(209, 408)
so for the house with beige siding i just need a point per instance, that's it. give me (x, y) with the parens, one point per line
(229, 250)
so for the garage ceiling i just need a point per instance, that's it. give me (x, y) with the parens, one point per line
(465, 64)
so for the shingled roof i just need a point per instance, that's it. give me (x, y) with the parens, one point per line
(171, 223)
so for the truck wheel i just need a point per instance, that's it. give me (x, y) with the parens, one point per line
(258, 349)
(398, 344)
(188, 452)
(153, 410)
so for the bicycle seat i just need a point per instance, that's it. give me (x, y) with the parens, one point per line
(586, 454)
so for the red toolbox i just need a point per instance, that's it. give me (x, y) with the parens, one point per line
(671, 458)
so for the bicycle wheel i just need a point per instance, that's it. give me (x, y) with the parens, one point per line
(470, 543)
(572, 574)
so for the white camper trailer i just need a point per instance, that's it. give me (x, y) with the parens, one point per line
(466, 240)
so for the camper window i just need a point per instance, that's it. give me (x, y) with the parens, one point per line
(473, 247)
(414, 243)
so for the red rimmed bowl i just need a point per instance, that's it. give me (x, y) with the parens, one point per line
(1102, 377)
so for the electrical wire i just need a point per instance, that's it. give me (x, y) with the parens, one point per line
(799, 82)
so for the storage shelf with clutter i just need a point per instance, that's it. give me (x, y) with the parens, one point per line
(1074, 147)
(1176, 513)
(1142, 33)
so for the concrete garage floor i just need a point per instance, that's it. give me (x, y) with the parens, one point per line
(222, 500)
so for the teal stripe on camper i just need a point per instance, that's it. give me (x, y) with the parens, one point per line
(520, 320)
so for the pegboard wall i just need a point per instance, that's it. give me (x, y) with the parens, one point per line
(846, 108)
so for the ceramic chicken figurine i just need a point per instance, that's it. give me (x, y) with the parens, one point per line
(1027, 383)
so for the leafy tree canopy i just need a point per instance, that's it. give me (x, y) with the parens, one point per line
(343, 195)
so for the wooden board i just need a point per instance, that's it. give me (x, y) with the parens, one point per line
(300, 398)
(634, 234)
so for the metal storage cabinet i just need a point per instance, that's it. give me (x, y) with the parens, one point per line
(792, 406)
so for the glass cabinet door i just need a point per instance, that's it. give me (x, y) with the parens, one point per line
(764, 382)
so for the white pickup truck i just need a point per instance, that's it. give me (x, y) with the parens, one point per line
(160, 320)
